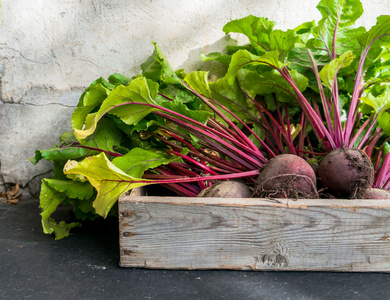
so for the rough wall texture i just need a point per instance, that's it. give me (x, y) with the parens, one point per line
(50, 51)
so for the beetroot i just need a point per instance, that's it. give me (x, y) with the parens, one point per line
(346, 172)
(374, 193)
(287, 176)
(227, 189)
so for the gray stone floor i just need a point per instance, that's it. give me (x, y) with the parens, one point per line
(86, 266)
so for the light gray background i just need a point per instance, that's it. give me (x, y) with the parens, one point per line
(50, 51)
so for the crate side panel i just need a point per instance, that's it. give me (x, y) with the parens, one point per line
(267, 237)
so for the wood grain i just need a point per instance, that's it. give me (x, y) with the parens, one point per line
(255, 234)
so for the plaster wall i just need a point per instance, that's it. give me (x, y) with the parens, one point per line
(50, 51)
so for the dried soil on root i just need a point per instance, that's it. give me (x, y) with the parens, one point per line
(287, 176)
(288, 186)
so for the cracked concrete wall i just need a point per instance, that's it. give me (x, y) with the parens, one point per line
(50, 51)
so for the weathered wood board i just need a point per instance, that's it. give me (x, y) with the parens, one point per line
(255, 234)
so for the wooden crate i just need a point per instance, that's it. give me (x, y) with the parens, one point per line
(254, 234)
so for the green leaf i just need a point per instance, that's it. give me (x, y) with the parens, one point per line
(222, 58)
(137, 91)
(231, 49)
(344, 13)
(118, 79)
(329, 71)
(138, 160)
(79, 195)
(89, 100)
(58, 170)
(157, 68)
(231, 96)
(72, 189)
(84, 210)
(257, 130)
(378, 35)
(378, 72)
(303, 31)
(56, 153)
(109, 181)
(283, 42)
(105, 138)
(300, 58)
(262, 36)
(179, 107)
(378, 103)
(384, 122)
(257, 30)
(50, 199)
(243, 58)
(338, 17)
(176, 92)
(270, 82)
(198, 81)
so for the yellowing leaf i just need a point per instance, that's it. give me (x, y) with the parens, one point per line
(109, 181)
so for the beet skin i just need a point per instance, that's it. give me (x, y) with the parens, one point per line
(374, 193)
(346, 172)
(227, 189)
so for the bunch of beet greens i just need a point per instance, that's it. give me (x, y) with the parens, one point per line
(301, 113)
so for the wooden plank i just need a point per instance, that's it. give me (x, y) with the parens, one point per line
(255, 234)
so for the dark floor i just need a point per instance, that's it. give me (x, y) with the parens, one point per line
(86, 266)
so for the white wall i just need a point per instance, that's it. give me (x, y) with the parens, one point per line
(50, 51)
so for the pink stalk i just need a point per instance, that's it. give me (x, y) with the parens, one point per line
(183, 179)
(228, 166)
(387, 184)
(338, 135)
(222, 163)
(238, 154)
(182, 168)
(301, 139)
(182, 189)
(368, 133)
(324, 100)
(166, 97)
(225, 130)
(358, 133)
(202, 131)
(381, 179)
(285, 132)
(247, 127)
(190, 187)
(281, 122)
(334, 38)
(271, 129)
(235, 103)
(377, 164)
(193, 161)
(179, 190)
(222, 116)
(314, 120)
(189, 145)
(311, 152)
(290, 140)
(371, 145)
(212, 139)
(357, 91)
